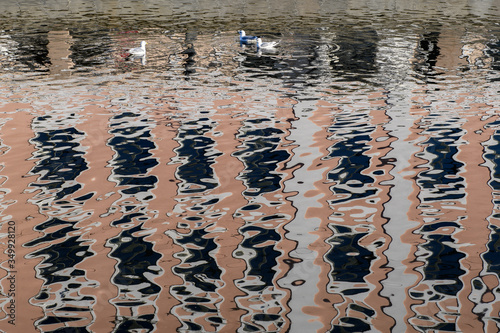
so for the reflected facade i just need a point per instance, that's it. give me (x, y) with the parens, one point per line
(346, 183)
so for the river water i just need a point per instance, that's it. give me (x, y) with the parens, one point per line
(347, 181)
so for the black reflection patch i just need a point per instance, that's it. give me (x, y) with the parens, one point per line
(492, 257)
(204, 267)
(136, 259)
(198, 153)
(443, 264)
(142, 323)
(351, 324)
(347, 175)
(437, 180)
(59, 161)
(262, 159)
(251, 207)
(351, 262)
(133, 159)
(62, 256)
(262, 264)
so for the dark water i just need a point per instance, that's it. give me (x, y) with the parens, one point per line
(347, 181)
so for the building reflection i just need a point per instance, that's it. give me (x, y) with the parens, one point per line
(228, 192)
(453, 216)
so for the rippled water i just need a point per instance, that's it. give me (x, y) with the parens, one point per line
(346, 182)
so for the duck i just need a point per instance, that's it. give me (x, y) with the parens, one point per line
(266, 45)
(244, 39)
(139, 51)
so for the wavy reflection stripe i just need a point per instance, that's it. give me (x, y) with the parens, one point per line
(59, 162)
(227, 168)
(474, 233)
(136, 257)
(164, 204)
(436, 213)
(16, 164)
(361, 210)
(99, 267)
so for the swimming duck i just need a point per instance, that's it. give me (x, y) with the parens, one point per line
(266, 45)
(139, 51)
(244, 39)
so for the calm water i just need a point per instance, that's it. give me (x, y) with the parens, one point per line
(348, 181)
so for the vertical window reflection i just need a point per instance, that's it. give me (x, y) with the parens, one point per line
(137, 260)
(261, 157)
(441, 187)
(196, 153)
(59, 161)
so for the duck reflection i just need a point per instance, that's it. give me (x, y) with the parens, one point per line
(137, 58)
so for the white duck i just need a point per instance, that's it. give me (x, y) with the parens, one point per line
(244, 39)
(139, 51)
(266, 45)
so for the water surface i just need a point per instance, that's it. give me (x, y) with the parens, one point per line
(346, 182)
